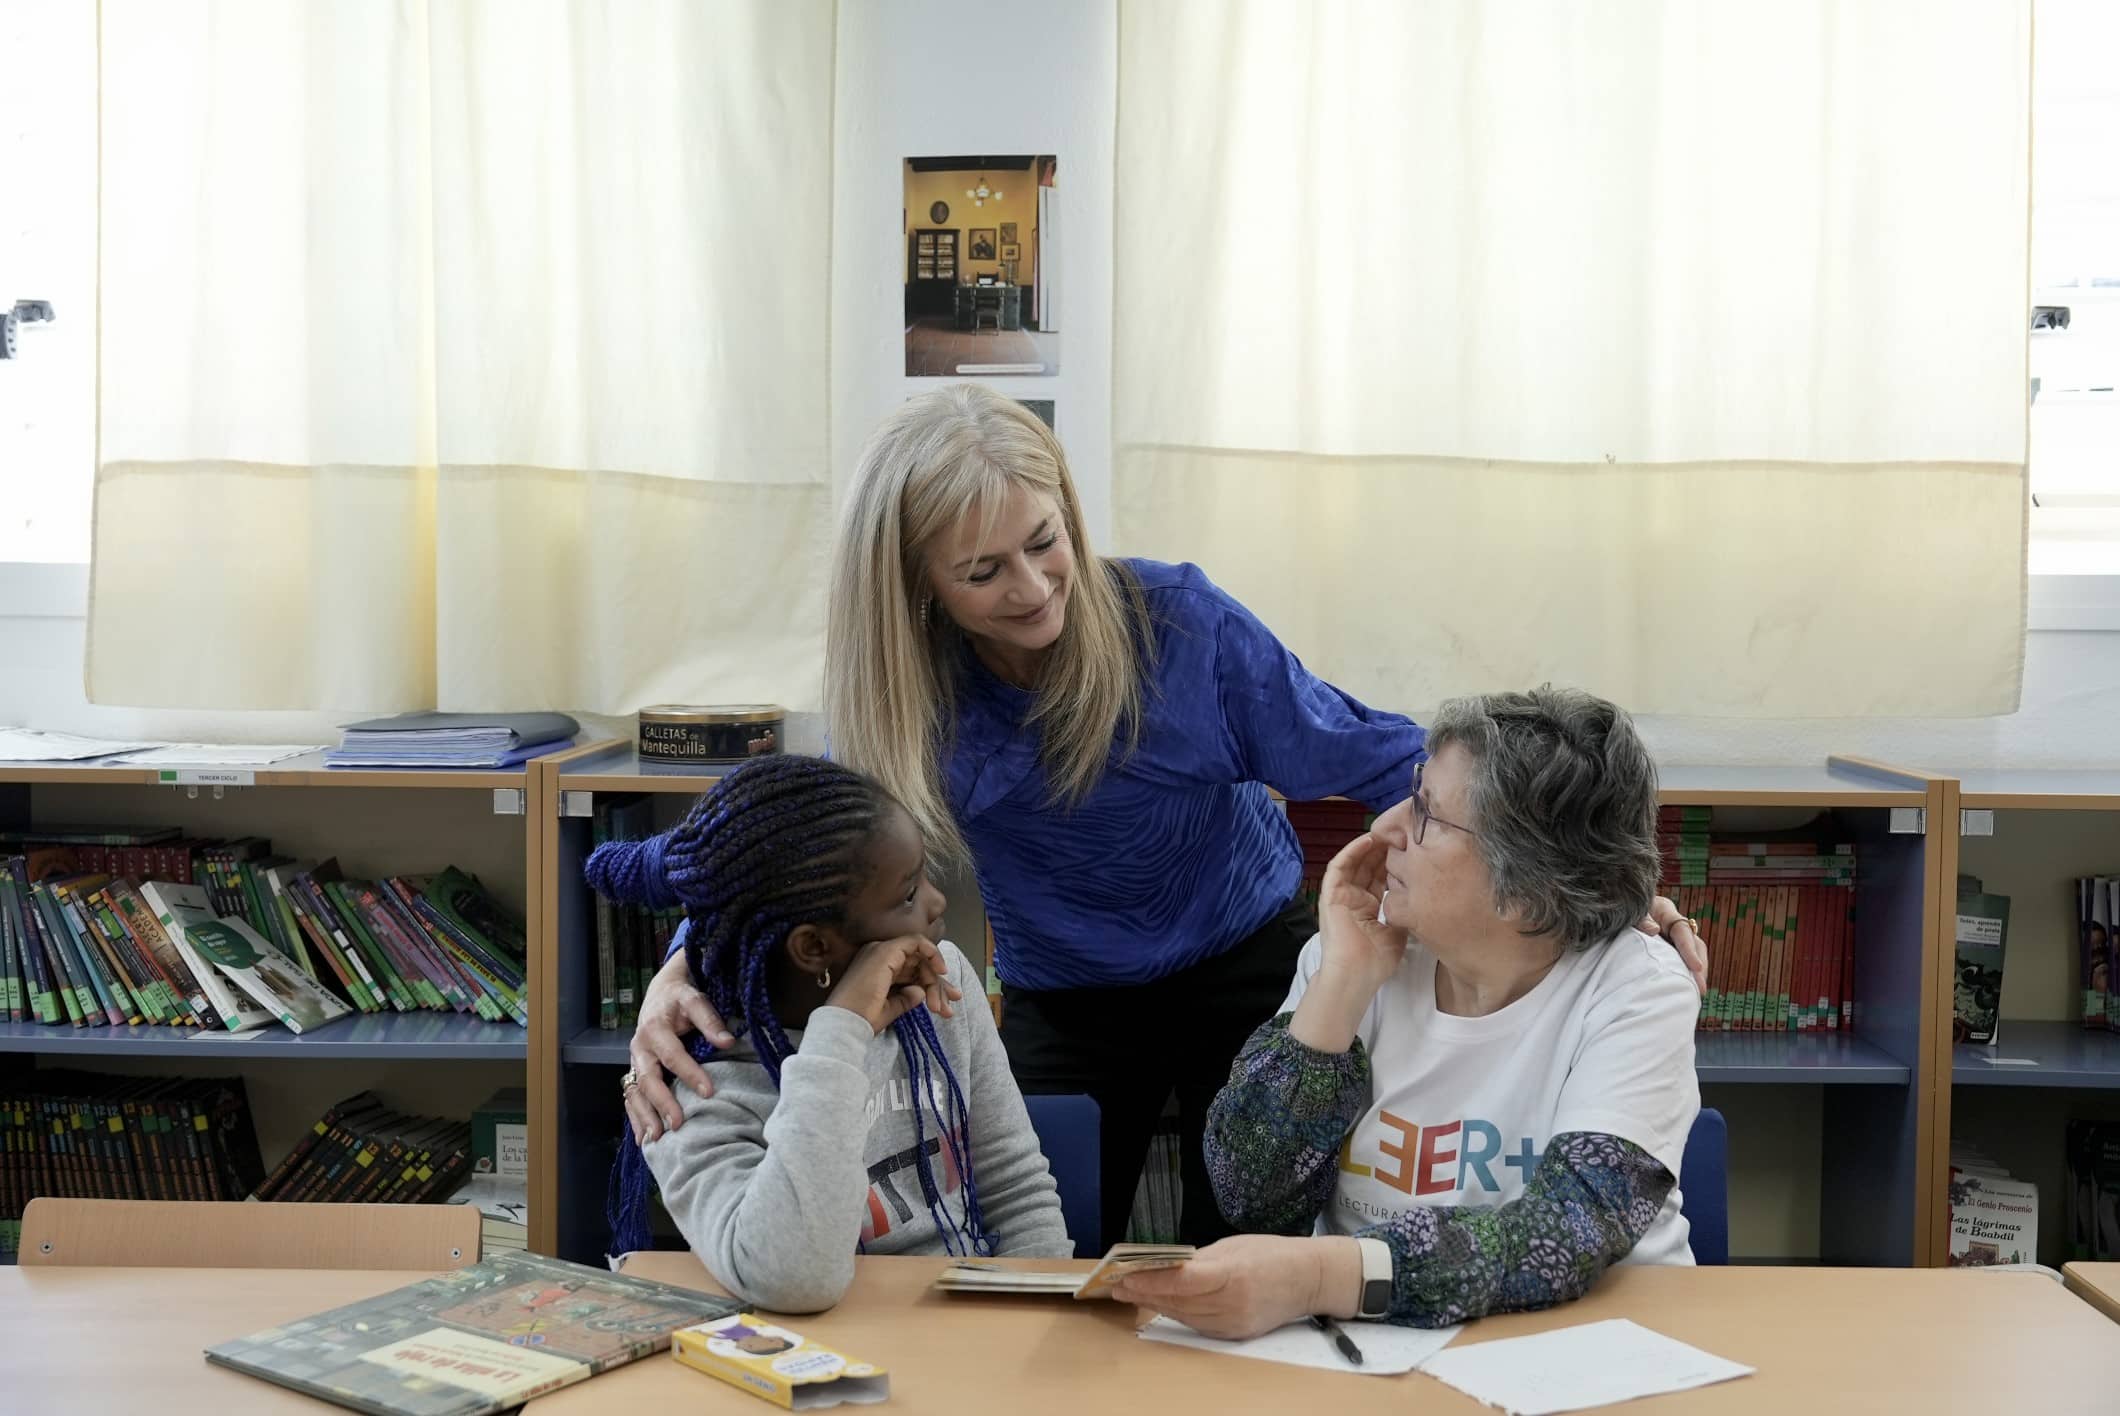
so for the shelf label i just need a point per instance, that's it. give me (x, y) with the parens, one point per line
(207, 777)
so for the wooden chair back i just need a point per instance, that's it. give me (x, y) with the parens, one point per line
(217, 1234)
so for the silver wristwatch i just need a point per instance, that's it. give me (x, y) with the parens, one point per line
(1376, 1278)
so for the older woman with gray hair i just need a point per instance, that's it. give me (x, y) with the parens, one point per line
(1476, 1096)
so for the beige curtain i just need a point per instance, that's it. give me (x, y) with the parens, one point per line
(1675, 351)
(457, 353)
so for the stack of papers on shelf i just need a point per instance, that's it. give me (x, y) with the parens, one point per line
(469, 740)
(207, 754)
(30, 745)
(504, 1211)
(33, 745)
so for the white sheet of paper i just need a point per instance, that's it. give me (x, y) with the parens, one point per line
(30, 745)
(1387, 1349)
(223, 1035)
(201, 754)
(1575, 1368)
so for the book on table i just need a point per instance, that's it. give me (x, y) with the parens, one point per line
(479, 1340)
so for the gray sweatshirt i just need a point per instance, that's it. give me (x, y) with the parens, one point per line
(774, 1189)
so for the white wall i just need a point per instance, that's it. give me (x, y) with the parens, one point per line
(1042, 78)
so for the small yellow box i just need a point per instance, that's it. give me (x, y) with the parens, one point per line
(778, 1364)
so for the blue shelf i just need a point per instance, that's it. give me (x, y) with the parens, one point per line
(602, 1046)
(1802, 1059)
(385, 1036)
(2041, 1054)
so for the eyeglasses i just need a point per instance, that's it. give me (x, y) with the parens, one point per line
(1422, 816)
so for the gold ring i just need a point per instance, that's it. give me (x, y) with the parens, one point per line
(627, 1083)
(1687, 920)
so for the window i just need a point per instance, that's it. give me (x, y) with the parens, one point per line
(48, 253)
(2075, 366)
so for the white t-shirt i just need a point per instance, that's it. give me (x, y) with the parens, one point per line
(1462, 1108)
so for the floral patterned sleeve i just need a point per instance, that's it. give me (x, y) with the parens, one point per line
(1586, 1206)
(1274, 1132)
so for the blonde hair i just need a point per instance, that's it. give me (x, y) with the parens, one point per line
(889, 687)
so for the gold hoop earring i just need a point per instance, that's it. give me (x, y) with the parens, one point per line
(824, 980)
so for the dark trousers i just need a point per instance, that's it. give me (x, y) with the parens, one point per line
(1131, 1047)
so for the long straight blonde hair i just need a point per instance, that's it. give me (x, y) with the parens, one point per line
(890, 681)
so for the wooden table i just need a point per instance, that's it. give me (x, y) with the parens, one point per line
(94, 1340)
(85, 1341)
(1868, 1340)
(2097, 1285)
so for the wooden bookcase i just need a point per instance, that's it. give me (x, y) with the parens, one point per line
(376, 822)
(1861, 1118)
(2026, 834)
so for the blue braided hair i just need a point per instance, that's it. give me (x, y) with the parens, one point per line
(779, 842)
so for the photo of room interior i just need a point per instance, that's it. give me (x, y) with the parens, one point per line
(981, 267)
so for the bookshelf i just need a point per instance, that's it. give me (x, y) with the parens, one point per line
(578, 1076)
(376, 822)
(2026, 833)
(1835, 1128)
(1851, 1119)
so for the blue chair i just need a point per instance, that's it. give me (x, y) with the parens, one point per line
(1068, 1128)
(1704, 1187)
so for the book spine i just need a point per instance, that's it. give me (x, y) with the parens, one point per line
(507, 997)
(338, 894)
(45, 1003)
(429, 986)
(87, 1002)
(607, 1002)
(140, 919)
(12, 993)
(101, 951)
(457, 984)
(354, 987)
(483, 992)
(468, 942)
(310, 892)
(145, 982)
(117, 981)
(169, 991)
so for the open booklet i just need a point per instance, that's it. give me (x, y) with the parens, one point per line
(972, 1277)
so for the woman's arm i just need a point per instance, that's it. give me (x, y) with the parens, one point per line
(1586, 1206)
(671, 1008)
(1017, 1195)
(1589, 1202)
(1297, 733)
(768, 1188)
(1274, 1132)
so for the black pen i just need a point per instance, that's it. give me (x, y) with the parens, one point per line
(1339, 1339)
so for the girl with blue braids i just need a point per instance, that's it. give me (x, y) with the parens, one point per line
(856, 1109)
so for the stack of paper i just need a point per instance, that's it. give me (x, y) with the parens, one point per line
(33, 745)
(30, 745)
(504, 1211)
(465, 740)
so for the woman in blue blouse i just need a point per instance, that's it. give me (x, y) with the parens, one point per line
(1096, 738)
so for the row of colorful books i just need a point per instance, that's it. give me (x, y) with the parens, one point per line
(631, 944)
(2098, 938)
(128, 931)
(362, 1151)
(1781, 958)
(1694, 855)
(83, 1135)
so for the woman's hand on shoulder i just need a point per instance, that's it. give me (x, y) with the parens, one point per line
(891, 977)
(671, 1008)
(1357, 945)
(1678, 931)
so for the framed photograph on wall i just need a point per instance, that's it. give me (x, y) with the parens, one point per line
(948, 261)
